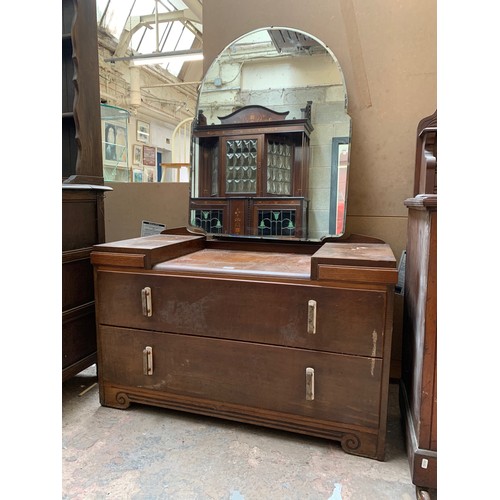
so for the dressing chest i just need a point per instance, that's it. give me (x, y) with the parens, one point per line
(289, 335)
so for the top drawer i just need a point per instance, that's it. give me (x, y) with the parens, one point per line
(305, 316)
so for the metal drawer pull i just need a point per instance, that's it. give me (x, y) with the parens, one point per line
(147, 360)
(310, 384)
(147, 305)
(311, 316)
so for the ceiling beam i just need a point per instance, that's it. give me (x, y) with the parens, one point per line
(138, 22)
(196, 8)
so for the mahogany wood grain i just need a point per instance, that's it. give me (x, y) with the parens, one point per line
(83, 184)
(242, 343)
(418, 387)
(349, 321)
(426, 156)
(148, 250)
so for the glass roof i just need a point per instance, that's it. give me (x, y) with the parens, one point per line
(127, 18)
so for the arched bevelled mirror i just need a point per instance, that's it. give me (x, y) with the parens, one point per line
(271, 140)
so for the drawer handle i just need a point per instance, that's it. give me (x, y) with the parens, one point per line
(147, 360)
(310, 384)
(147, 307)
(311, 316)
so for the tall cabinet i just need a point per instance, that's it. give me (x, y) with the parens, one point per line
(82, 182)
(418, 394)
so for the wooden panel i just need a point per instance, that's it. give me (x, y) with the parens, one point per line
(118, 259)
(238, 216)
(78, 336)
(355, 255)
(348, 321)
(79, 220)
(347, 389)
(419, 374)
(244, 263)
(356, 275)
(77, 283)
(69, 149)
(153, 249)
(426, 156)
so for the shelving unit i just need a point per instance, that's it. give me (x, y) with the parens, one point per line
(82, 183)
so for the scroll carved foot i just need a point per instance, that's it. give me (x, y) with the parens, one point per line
(123, 400)
(350, 443)
(115, 398)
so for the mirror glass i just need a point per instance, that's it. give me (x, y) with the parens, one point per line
(285, 174)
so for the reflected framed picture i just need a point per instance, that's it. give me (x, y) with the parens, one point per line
(137, 175)
(149, 156)
(137, 154)
(115, 143)
(142, 131)
(149, 175)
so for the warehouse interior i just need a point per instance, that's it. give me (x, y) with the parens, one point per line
(390, 79)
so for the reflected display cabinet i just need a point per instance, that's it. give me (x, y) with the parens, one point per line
(253, 173)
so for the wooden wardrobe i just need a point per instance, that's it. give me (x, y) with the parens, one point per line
(418, 388)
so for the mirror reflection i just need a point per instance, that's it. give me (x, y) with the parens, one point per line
(271, 140)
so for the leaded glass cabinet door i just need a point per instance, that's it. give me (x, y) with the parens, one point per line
(279, 167)
(241, 165)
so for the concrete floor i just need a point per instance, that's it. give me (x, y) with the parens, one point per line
(153, 453)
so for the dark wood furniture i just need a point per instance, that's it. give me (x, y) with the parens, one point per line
(418, 388)
(252, 176)
(426, 156)
(289, 335)
(83, 185)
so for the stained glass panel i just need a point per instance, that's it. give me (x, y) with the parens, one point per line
(276, 223)
(210, 220)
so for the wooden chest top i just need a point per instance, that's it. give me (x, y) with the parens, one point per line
(369, 262)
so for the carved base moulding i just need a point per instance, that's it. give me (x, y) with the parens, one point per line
(353, 441)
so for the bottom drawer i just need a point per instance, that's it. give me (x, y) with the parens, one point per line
(330, 387)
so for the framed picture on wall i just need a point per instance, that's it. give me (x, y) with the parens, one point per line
(137, 175)
(142, 131)
(115, 143)
(149, 175)
(148, 156)
(137, 154)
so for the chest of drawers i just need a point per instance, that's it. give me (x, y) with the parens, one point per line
(295, 337)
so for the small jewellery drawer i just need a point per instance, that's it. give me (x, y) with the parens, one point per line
(313, 317)
(319, 385)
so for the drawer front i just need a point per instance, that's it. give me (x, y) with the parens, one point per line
(343, 320)
(346, 388)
